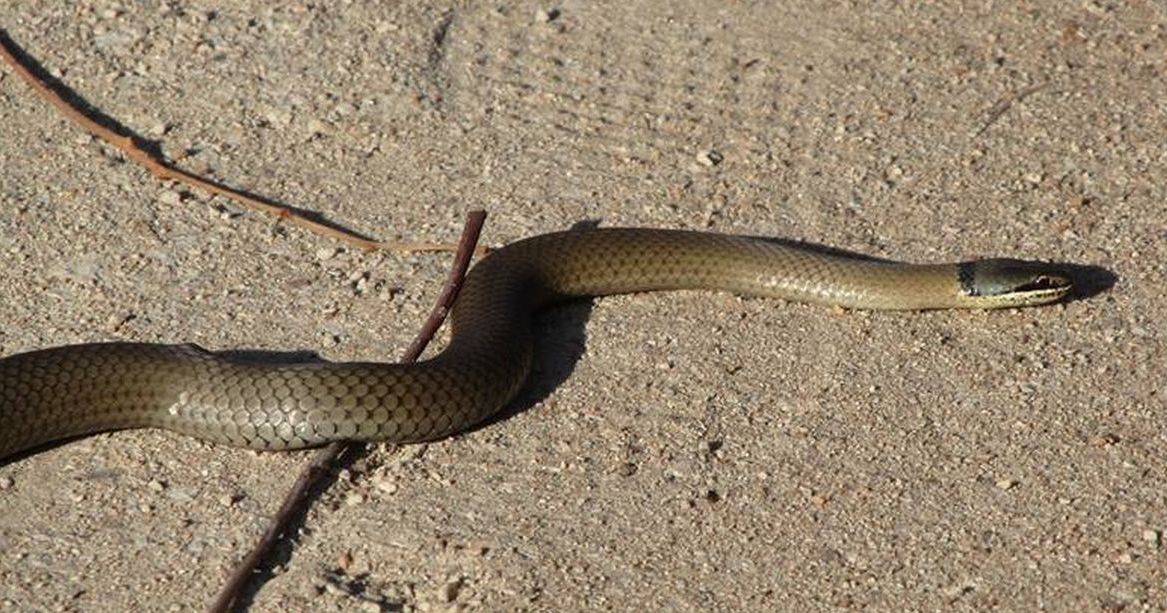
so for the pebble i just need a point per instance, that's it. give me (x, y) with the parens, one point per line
(1103, 440)
(546, 15)
(171, 197)
(359, 280)
(449, 591)
(6, 483)
(709, 157)
(117, 320)
(354, 499)
(1006, 484)
(388, 486)
(277, 116)
(181, 494)
(627, 469)
(228, 212)
(709, 447)
(156, 485)
(1153, 537)
(327, 253)
(316, 127)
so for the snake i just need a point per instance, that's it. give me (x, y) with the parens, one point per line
(49, 395)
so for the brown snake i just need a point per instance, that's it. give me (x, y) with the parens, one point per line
(68, 391)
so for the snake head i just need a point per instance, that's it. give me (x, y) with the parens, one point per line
(1000, 282)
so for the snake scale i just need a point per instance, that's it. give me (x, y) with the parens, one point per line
(58, 393)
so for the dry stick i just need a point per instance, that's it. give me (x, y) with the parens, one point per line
(312, 474)
(316, 470)
(165, 171)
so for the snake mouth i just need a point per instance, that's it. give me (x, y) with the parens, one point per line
(1044, 284)
(1041, 290)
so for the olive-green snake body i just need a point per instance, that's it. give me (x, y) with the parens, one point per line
(68, 391)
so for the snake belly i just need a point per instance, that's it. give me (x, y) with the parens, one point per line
(58, 393)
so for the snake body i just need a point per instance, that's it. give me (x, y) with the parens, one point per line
(52, 394)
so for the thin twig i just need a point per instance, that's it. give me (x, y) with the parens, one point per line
(327, 456)
(136, 150)
(1002, 106)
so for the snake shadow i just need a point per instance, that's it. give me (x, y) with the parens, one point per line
(1089, 280)
(561, 341)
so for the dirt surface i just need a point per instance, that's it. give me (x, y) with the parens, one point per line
(686, 451)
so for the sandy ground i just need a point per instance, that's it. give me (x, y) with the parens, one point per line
(685, 451)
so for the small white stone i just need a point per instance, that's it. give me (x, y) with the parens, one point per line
(117, 320)
(277, 117)
(709, 157)
(388, 486)
(170, 197)
(316, 126)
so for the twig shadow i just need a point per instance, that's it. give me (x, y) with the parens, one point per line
(295, 524)
(153, 147)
